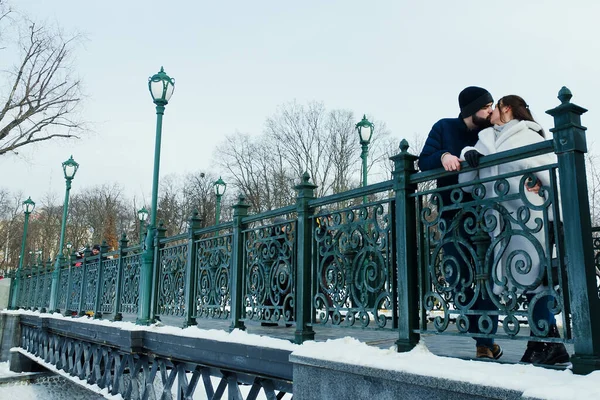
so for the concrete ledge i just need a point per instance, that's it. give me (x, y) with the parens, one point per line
(322, 379)
(21, 363)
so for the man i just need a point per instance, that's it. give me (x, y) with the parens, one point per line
(96, 250)
(442, 149)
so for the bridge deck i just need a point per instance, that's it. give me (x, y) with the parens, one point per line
(442, 345)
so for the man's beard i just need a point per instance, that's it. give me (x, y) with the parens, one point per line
(481, 123)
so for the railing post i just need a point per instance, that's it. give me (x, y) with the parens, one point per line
(303, 301)
(190, 273)
(117, 310)
(160, 234)
(99, 283)
(406, 248)
(570, 147)
(240, 210)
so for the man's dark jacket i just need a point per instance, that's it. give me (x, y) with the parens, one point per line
(449, 135)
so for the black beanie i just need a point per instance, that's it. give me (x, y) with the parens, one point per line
(472, 99)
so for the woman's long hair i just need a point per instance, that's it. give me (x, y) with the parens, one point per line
(519, 108)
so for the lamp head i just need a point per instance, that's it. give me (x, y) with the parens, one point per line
(220, 187)
(161, 87)
(365, 130)
(142, 214)
(70, 168)
(28, 206)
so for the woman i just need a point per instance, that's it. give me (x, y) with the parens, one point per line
(520, 247)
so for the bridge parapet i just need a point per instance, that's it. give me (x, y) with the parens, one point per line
(145, 365)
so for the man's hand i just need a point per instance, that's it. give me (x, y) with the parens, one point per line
(450, 162)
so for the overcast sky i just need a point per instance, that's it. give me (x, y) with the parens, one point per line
(404, 62)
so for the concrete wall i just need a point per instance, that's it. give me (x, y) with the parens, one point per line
(4, 292)
(10, 331)
(321, 379)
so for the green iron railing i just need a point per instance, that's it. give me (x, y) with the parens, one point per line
(407, 260)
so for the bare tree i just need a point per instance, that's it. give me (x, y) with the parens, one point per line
(258, 169)
(11, 229)
(43, 94)
(593, 176)
(300, 138)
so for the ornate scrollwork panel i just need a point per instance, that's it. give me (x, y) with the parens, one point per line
(213, 269)
(110, 268)
(63, 288)
(171, 280)
(270, 272)
(491, 251)
(130, 284)
(89, 287)
(74, 292)
(354, 270)
(596, 244)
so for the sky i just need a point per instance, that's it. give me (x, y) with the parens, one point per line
(235, 62)
(534, 382)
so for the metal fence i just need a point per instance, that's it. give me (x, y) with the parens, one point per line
(409, 259)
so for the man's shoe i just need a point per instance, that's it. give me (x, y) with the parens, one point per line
(484, 352)
(497, 351)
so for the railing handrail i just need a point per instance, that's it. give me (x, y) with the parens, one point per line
(353, 193)
(532, 150)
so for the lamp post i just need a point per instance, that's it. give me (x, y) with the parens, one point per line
(365, 131)
(161, 88)
(70, 168)
(69, 246)
(220, 187)
(142, 216)
(28, 207)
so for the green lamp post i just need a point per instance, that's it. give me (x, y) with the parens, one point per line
(365, 132)
(142, 216)
(161, 88)
(69, 246)
(28, 207)
(70, 168)
(220, 187)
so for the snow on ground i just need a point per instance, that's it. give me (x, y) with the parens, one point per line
(7, 373)
(533, 381)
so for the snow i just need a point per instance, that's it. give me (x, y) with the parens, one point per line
(5, 372)
(533, 381)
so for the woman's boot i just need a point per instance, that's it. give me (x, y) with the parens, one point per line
(531, 348)
(551, 353)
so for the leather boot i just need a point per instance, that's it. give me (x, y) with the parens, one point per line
(531, 348)
(551, 353)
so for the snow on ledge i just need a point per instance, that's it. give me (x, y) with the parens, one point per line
(236, 336)
(533, 381)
